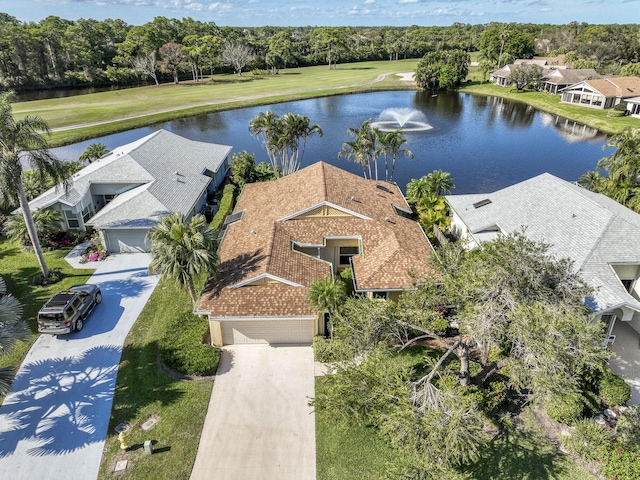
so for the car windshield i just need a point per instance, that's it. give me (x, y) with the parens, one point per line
(51, 317)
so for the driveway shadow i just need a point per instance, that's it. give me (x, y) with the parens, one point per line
(61, 404)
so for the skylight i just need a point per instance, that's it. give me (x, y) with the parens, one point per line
(482, 203)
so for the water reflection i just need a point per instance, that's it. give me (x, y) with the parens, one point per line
(485, 142)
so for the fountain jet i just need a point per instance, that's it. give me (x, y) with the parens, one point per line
(405, 119)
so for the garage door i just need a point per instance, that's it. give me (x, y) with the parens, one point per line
(127, 241)
(268, 331)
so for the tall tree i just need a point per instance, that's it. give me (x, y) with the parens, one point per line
(173, 58)
(284, 138)
(22, 140)
(146, 63)
(237, 55)
(364, 149)
(391, 145)
(183, 250)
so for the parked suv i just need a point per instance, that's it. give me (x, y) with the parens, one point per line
(66, 311)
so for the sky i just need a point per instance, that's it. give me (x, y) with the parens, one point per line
(255, 13)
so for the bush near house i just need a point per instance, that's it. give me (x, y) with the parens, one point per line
(182, 347)
(613, 389)
(225, 207)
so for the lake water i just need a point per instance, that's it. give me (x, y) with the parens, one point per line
(486, 143)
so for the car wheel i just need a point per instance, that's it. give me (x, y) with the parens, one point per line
(79, 324)
(98, 297)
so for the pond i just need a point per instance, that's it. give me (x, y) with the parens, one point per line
(486, 143)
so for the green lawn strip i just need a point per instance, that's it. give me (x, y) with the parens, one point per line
(143, 390)
(18, 268)
(228, 90)
(358, 452)
(346, 453)
(546, 102)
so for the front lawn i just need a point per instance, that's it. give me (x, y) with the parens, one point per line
(144, 391)
(18, 268)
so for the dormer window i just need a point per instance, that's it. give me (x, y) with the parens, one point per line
(346, 253)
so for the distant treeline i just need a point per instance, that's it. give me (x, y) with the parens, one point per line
(63, 53)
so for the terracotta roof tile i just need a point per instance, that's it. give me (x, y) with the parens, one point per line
(260, 245)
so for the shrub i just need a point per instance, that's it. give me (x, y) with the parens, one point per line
(225, 207)
(613, 389)
(628, 426)
(587, 440)
(565, 408)
(620, 462)
(330, 351)
(182, 348)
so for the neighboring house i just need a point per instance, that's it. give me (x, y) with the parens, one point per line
(557, 79)
(633, 106)
(603, 93)
(123, 194)
(287, 233)
(601, 236)
(499, 77)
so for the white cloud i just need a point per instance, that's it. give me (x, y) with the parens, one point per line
(369, 2)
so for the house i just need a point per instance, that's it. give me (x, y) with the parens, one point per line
(633, 106)
(123, 194)
(601, 236)
(557, 79)
(287, 233)
(602, 93)
(499, 77)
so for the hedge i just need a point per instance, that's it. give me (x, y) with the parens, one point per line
(225, 207)
(182, 348)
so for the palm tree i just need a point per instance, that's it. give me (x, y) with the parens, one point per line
(46, 221)
(417, 189)
(12, 329)
(364, 149)
(327, 294)
(22, 140)
(93, 152)
(391, 144)
(592, 180)
(183, 250)
(282, 137)
(441, 182)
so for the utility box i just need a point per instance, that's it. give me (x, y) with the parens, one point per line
(148, 447)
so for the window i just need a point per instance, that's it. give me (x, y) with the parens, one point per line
(86, 213)
(627, 284)
(72, 219)
(109, 197)
(346, 253)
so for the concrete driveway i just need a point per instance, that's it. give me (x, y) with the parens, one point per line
(259, 425)
(54, 422)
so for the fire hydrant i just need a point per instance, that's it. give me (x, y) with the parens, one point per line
(124, 446)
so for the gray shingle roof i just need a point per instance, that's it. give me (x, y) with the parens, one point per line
(590, 228)
(170, 167)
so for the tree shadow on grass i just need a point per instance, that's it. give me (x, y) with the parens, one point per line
(521, 454)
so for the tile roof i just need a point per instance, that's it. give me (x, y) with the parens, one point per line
(261, 243)
(590, 228)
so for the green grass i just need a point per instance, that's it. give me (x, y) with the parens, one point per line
(348, 453)
(135, 107)
(524, 453)
(546, 102)
(143, 390)
(18, 268)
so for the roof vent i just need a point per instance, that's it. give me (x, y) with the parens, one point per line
(387, 219)
(482, 203)
(253, 232)
(383, 188)
(353, 199)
